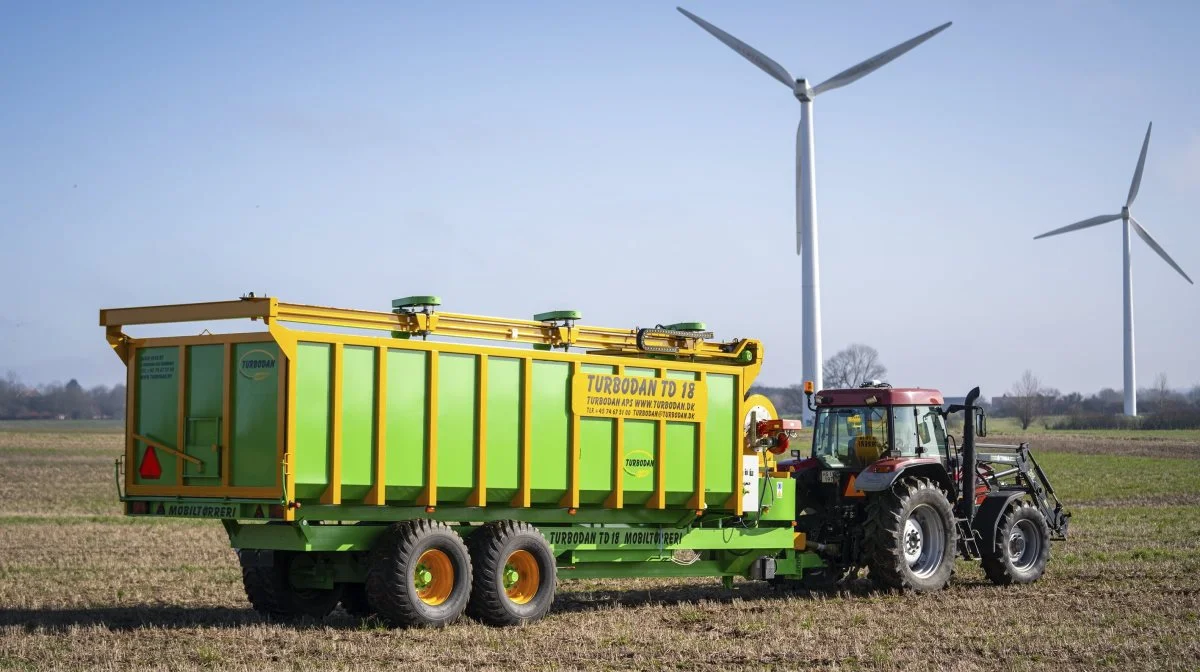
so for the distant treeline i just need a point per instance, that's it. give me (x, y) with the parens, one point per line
(1158, 407)
(56, 400)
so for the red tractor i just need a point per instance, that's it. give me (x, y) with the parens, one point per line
(885, 489)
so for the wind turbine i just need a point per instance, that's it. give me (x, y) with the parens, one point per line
(806, 183)
(1127, 221)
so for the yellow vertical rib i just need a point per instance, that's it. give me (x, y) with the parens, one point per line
(377, 495)
(571, 499)
(658, 500)
(290, 446)
(333, 491)
(429, 497)
(616, 499)
(479, 496)
(131, 378)
(281, 413)
(697, 502)
(226, 411)
(735, 500)
(525, 496)
(181, 414)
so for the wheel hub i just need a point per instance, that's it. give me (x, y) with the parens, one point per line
(433, 577)
(923, 541)
(1016, 544)
(521, 577)
(912, 540)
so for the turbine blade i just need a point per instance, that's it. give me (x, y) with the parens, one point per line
(748, 52)
(1157, 248)
(1093, 221)
(1137, 173)
(875, 62)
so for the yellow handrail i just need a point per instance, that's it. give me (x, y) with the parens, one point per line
(554, 334)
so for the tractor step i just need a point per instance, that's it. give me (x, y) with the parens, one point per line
(968, 539)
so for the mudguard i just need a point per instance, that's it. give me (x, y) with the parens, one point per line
(880, 476)
(988, 515)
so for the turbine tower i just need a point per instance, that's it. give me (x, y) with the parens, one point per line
(806, 183)
(1127, 221)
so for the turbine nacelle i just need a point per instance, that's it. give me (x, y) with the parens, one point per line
(802, 91)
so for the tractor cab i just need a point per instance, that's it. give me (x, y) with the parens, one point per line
(855, 428)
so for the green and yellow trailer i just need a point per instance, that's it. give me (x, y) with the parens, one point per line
(418, 464)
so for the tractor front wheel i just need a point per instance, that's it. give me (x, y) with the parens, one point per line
(1021, 549)
(910, 537)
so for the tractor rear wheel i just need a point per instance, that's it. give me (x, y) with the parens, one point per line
(419, 574)
(1021, 549)
(910, 537)
(266, 576)
(515, 574)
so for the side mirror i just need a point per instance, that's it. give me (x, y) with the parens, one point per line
(980, 422)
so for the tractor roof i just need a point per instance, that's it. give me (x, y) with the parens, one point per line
(883, 396)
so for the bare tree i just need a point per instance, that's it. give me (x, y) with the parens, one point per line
(1162, 391)
(1027, 401)
(853, 366)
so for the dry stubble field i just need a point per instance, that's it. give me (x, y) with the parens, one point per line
(83, 588)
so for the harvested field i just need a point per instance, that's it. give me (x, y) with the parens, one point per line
(82, 587)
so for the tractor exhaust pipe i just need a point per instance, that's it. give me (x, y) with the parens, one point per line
(967, 504)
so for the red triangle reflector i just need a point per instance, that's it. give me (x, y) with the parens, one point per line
(150, 468)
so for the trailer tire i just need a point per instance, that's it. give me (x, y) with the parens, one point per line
(271, 593)
(354, 600)
(911, 537)
(419, 574)
(515, 574)
(1021, 549)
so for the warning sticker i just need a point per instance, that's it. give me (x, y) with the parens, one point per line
(613, 396)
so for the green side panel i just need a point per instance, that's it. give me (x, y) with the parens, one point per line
(551, 431)
(457, 389)
(719, 447)
(313, 365)
(358, 420)
(406, 435)
(157, 410)
(254, 453)
(597, 439)
(205, 377)
(681, 454)
(640, 461)
(503, 428)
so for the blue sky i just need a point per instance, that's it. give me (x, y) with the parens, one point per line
(612, 158)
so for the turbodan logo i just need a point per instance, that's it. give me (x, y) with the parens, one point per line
(256, 365)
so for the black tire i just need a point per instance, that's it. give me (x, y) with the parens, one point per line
(1021, 549)
(270, 591)
(910, 537)
(354, 600)
(436, 597)
(502, 594)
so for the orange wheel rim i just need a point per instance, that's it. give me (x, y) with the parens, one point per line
(433, 577)
(522, 576)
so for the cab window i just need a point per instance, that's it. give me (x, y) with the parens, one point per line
(850, 436)
(919, 430)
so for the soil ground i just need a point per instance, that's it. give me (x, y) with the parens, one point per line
(81, 587)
